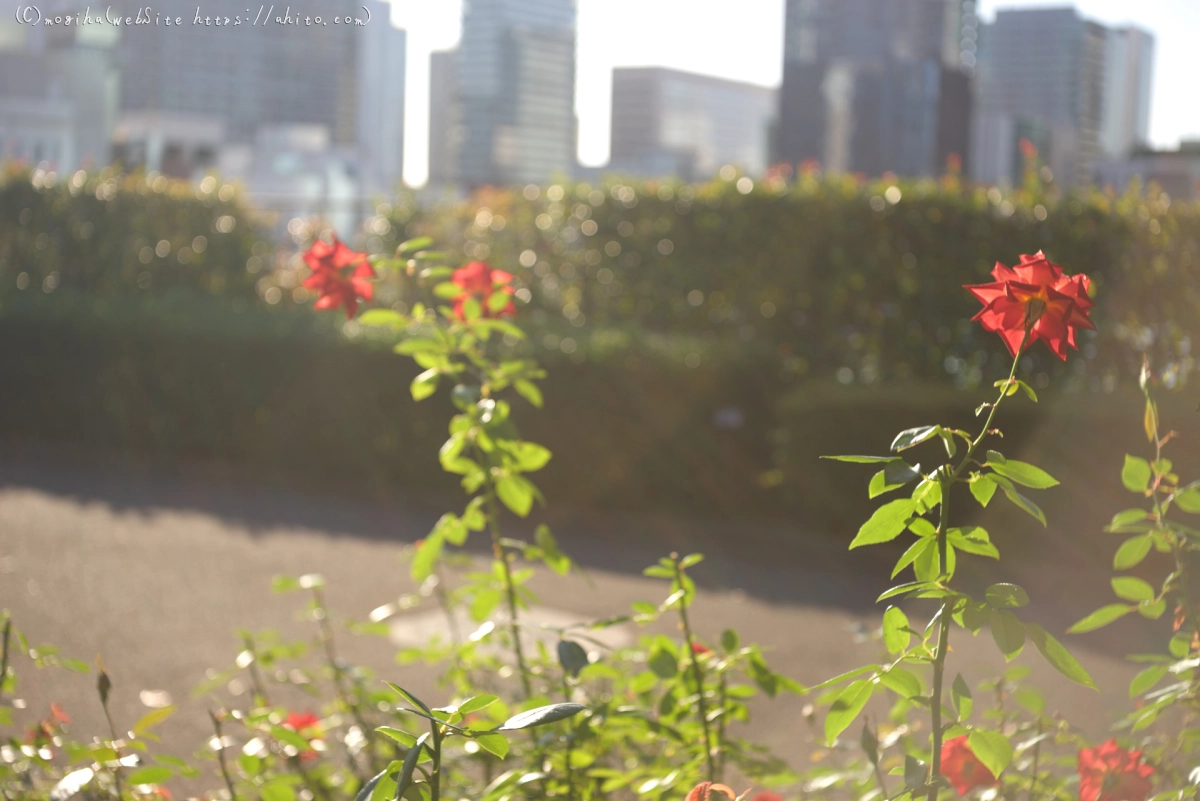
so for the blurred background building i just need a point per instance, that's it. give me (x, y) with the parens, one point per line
(514, 88)
(1078, 91)
(667, 122)
(872, 86)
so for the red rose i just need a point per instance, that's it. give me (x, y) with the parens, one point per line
(1110, 773)
(329, 263)
(307, 725)
(963, 768)
(478, 280)
(705, 791)
(1034, 296)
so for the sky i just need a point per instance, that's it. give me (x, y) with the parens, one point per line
(703, 36)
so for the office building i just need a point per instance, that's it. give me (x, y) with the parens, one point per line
(380, 107)
(877, 85)
(516, 91)
(445, 125)
(1128, 73)
(667, 122)
(1176, 172)
(1076, 90)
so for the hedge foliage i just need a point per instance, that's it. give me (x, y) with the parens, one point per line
(683, 326)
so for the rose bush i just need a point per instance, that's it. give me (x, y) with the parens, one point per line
(523, 720)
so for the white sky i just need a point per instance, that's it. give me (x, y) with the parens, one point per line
(743, 40)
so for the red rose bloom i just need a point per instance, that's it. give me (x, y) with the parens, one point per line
(330, 263)
(478, 280)
(963, 768)
(306, 724)
(1110, 773)
(1034, 296)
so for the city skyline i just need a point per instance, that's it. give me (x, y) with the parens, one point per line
(695, 36)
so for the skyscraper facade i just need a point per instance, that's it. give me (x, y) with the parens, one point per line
(380, 107)
(516, 91)
(667, 122)
(877, 85)
(445, 129)
(1076, 90)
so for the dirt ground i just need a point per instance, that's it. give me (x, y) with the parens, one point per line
(157, 572)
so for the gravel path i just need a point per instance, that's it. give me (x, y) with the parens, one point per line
(158, 571)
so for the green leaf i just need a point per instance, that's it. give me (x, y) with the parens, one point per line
(729, 640)
(664, 663)
(1020, 472)
(426, 558)
(1189, 501)
(1152, 609)
(529, 456)
(849, 674)
(151, 719)
(1018, 499)
(383, 317)
(572, 657)
(412, 699)
(516, 493)
(413, 245)
(1006, 595)
(1146, 679)
(529, 391)
(861, 459)
(408, 347)
(1008, 632)
(914, 436)
(555, 559)
(915, 773)
(541, 716)
(983, 488)
(972, 539)
(869, 743)
(276, 790)
(1132, 552)
(885, 524)
(914, 552)
(404, 738)
(896, 636)
(992, 749)
(894, 475)
(447, 290)
(1058, 656)
(424, 385)
(1101, 618)
(151, 774)
(960, 696)
(1135, 475)
(498, 301)
(493, 743)
(477, 703)
(845, 708)
(903, 683)
(404, 780)
(1132, 589)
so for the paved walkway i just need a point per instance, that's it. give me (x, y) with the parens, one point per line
(157, 572)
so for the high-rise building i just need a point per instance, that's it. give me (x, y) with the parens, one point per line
(877, 85)
(516, 91)
(1128, 72)
(1076, 90)
(380, 88)
(445, 123)
(667, 122)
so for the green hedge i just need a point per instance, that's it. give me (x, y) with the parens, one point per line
(713, 408)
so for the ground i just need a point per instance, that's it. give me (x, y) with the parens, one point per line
(157, 572)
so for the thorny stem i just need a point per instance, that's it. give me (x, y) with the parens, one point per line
(216, 721)
(947, 481)
(4, 652)
(435, 776)
(510, 590)
(321, 613)
(252, 669)
(570, 740)
(1033, 771)
(112, 730)
(697, 672)
(722, 697)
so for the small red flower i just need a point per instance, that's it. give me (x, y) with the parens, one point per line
(1028, 149)
(307, 725)
(700, 650)
(963, 768)
(1110, 773)
(1034, 296)
(706, 791)
(329, 263)
(58, 714)
(478, 280)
